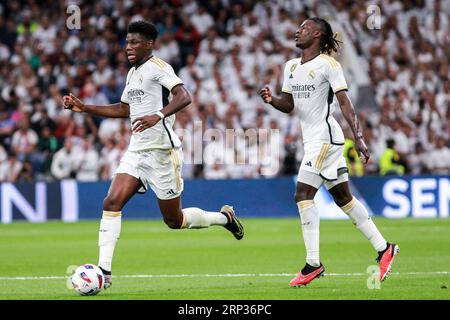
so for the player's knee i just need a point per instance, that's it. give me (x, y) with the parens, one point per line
(302, 195)
(111, 203)
(343, 199)
(173, 223)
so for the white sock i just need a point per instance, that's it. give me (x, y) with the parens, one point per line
(360, 217)
(196, 218)
(310, 228)
(108, 235)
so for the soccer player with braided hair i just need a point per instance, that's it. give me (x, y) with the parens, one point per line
(328, 42)
(310, 85)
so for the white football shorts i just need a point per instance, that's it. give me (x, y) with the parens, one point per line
(159, 169)
(323, 163)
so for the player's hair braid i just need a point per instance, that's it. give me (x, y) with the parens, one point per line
(328, 42)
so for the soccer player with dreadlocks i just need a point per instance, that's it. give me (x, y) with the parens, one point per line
(310, 84)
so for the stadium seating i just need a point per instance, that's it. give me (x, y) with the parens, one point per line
(224, 51)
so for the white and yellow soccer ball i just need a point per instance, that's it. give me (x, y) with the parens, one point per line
(88, 280)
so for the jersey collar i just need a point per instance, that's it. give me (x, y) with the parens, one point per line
(303, 62)
(151, 56)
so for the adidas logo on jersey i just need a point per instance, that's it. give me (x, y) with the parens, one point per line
(309, 164)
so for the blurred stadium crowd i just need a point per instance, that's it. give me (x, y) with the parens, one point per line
(224, 51)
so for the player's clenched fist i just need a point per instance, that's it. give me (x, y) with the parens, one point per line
(73, 103)
(362, 150)
(266, 95)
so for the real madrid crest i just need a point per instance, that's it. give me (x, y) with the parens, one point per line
(293, 67)
(311, 74)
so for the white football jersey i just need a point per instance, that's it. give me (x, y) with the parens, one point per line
(148, 90)
(313, 85)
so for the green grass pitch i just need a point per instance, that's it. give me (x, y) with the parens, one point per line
(211, 264)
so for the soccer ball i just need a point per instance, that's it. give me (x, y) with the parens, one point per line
(88, 280)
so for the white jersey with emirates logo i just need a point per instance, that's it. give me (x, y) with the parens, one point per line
(313, 85)
(148, 90)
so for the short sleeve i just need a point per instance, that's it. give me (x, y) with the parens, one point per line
(124, 96)
(165, 75)
(286, 88)
(336, 77)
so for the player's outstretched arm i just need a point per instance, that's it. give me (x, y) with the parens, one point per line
(117, 110)
(180, 99)
(285, 103)
(350, 115)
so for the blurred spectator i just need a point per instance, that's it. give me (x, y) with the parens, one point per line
(390, 160)
(87, 162)
(8, 33)
(27, 26)
(188, 39)
(40, 118)
(46, 34)
(354, 164)
(64, 161)
(418, 161)
(167, 26)
(110, 156)
(168, 50)
(102, 72)
(26, 173)
(7, 125)
(47, 146)
(202, 20)
(24, 140)
(10, 169)
(3, 154)
(440, 157)
(112, 90)
(216, 171)
(27, 77)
